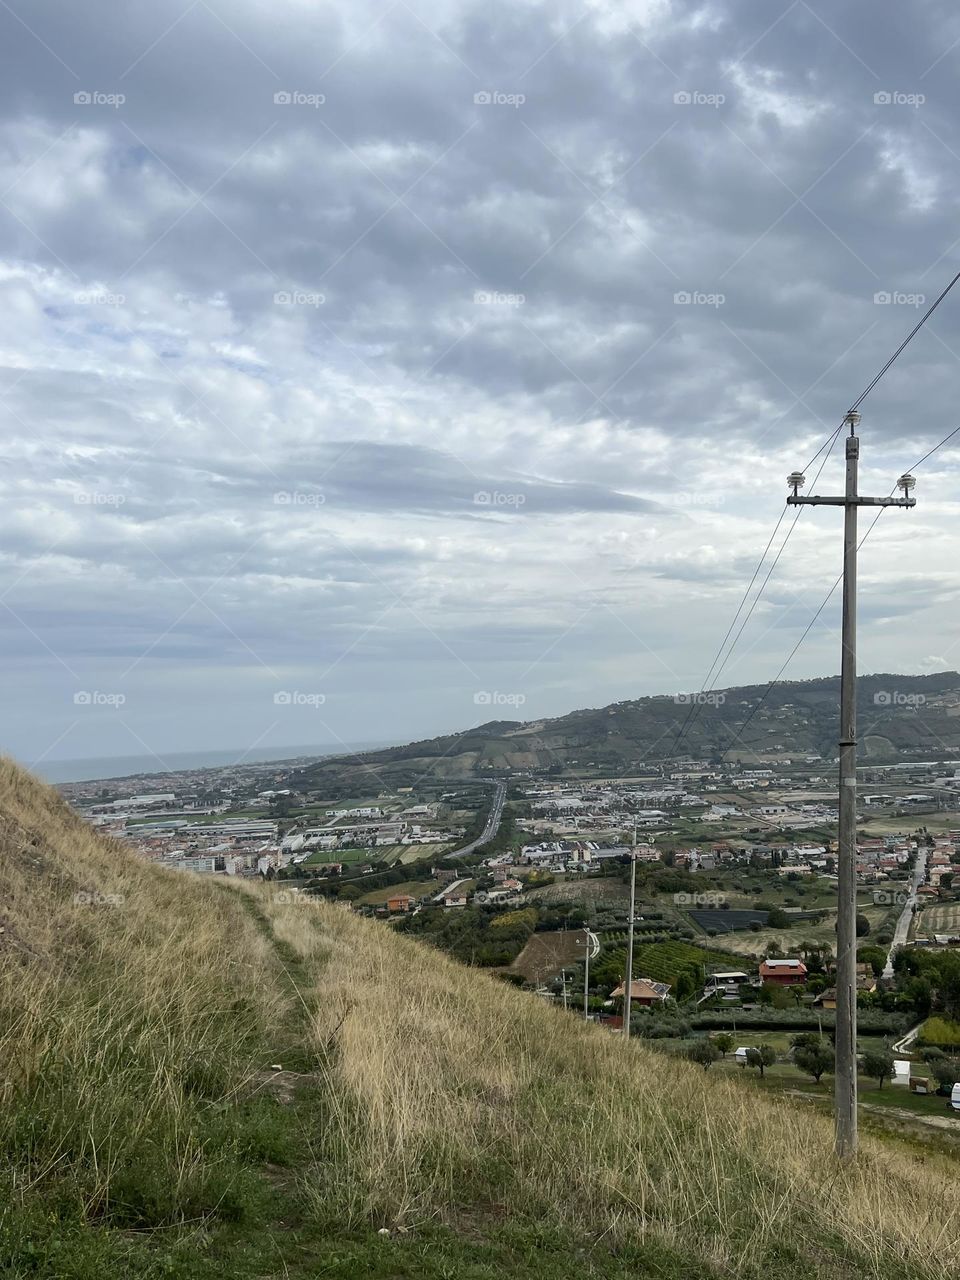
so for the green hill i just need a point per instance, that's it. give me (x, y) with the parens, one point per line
(207, 1079)
(899, 716)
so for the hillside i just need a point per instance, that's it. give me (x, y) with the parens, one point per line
(898, 715)
(206, 1079)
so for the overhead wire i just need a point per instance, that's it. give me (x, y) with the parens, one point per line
(828, 444)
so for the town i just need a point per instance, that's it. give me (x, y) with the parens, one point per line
(735, 902)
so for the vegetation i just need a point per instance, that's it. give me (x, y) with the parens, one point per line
(204, 1079)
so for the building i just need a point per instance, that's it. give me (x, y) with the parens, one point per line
(400, 902)
(643, 992)
(785, 973)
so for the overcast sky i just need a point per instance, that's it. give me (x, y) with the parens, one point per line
(376, 369)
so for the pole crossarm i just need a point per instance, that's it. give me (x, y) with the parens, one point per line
(816, 501)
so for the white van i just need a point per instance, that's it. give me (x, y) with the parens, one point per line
(955, 1097)
(741, 1055)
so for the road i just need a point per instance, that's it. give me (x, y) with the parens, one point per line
(492, 825)
(902, 930)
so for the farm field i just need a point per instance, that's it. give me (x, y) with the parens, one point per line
(601, 891)
(942, 918)
(416, 852)
(415, 888)
(545, 954)
(663, 961)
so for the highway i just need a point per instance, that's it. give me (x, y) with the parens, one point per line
(492, 824)
(902, 930)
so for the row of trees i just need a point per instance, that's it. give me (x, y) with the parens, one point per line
(815, 1057)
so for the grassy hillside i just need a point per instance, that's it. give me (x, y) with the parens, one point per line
(426, 1120)
(799, 717)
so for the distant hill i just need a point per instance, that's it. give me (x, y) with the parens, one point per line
(206, 1079)
(899, 717)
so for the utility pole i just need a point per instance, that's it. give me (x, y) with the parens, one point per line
(563, 979)
(845, 1086)
(628, 982)
(591, 945)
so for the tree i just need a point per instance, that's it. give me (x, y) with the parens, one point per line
(724, 1042)
(878, 1064)
(763, 1056)
(777, 919)
(863, 926)
(814, 1059)
(704, 1052)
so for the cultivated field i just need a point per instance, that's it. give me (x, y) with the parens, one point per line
(547, 953)
(942, 918)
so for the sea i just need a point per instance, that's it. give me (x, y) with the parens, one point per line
(96, 767)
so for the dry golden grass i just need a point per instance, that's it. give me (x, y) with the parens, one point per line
(448, 1086)
(444, 1094)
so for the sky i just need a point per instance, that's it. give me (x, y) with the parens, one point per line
(373, 370)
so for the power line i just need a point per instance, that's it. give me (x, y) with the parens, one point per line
(698, 701)
(810, 625)
(828, 445)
